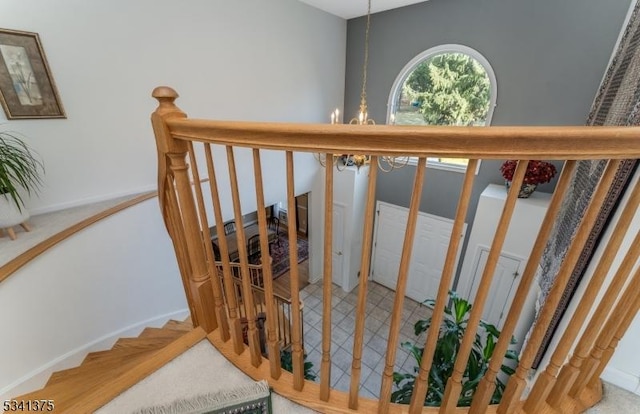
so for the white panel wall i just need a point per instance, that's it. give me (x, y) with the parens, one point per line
(276, 60)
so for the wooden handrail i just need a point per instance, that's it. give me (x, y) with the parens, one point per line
(15, 264)
(561, 387)
(495, 142)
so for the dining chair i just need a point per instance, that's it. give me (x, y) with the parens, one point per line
(253, 249)
(274, 224)
(216, 251)
(229, 227)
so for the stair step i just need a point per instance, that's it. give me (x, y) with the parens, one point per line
(104, 364)
(96, 387)
(179, 326)
(123, 351)
(143, 343)
(111, 354)
(160, 333)
(65, 392)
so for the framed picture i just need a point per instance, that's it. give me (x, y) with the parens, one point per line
(27, 89)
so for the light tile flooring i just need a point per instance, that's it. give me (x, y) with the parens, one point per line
(377, 321)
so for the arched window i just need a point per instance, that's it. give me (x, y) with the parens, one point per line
(445, 85)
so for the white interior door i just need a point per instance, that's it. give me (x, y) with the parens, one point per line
(503, 287)
(337, 255)
(391, 223)
(429, 250)
(429, 253)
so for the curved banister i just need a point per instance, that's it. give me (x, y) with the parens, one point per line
(15, 264)
(474, 143)
(493, 142)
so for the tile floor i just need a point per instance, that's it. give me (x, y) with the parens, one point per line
(377, 321)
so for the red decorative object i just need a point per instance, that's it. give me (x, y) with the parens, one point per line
(538, 172)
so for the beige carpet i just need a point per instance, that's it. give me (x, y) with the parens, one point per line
(200, 370)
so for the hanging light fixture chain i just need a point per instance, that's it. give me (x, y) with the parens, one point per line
(363, 94)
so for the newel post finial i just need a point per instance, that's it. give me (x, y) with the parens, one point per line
(166, 97)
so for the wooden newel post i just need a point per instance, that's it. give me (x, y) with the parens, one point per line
(174, 187)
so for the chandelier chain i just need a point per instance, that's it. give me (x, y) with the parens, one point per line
(363, 94)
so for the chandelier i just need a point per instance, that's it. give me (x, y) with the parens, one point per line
(342, 161)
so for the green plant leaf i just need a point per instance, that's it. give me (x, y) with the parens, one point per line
(421, 326)
(20, 167)
(451, 333)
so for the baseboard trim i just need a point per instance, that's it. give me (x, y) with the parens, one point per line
(37, 378)
(621, 379)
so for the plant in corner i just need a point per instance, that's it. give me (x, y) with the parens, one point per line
(286, 362)
(20, 167)
(453, 328)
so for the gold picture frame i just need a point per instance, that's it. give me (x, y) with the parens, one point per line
(27, 89)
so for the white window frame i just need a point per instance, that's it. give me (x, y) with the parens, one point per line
(394, 95)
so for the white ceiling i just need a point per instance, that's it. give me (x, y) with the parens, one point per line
(349, 9)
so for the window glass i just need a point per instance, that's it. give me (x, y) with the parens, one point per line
(447, 85)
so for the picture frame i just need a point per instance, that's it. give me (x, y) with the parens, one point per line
(27, 88)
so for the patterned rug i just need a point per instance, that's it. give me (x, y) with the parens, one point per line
(280, 254)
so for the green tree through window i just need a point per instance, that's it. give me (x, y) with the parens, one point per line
(449, 89)
(446, 85)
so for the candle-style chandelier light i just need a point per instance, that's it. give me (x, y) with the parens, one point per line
(342, 161)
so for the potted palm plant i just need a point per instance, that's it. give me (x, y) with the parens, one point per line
(20, 171)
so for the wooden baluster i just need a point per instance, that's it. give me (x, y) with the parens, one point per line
(401, 287)
(626, 320)
(486, 387)
(516, 383)
(173, 223)
(570, 371)
(545, 381)
(235, 326)
(617, 324)
(365, 262)
(454, 384)
(171, 163)
(296, 317)
(247, 296)
(421, 385)
(587, 341)
(327, 279)
(201, 290)
(273, 347)
(220, 312)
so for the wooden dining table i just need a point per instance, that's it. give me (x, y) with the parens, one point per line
(249, 231)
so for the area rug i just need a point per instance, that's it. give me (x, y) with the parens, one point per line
(248, 399)
(280, 255)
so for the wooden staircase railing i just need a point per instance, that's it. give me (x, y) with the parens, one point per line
(282, 305)
(569, 383)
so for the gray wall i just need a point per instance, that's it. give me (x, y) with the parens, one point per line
(549, 57)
